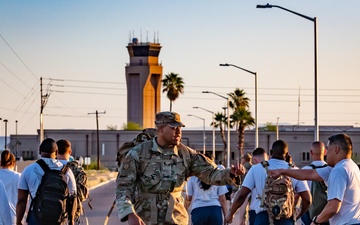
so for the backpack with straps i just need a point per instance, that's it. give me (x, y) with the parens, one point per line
(49, 204)
(145, 152)
(82, 192)
(318, 189)
(278, 196)
(146, 134)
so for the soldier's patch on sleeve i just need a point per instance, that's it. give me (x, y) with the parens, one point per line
(126, 166)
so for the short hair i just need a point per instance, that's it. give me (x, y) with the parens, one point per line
(7, 158)
(318, 147)
(63, 146)
(258, 151)
(279, 148)
(48, 145)
(342, 140)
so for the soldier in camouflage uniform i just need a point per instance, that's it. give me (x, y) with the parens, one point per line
(157, 169)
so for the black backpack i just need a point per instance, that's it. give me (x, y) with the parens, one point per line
(49, 204)
(318, 190)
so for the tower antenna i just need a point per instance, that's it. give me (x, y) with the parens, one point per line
(299, 107)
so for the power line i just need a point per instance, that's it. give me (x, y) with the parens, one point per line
(18, 57)
(86, 81)
(23, 102)
(89, 93)
(12, 88)
(87, 87)
(11, 72)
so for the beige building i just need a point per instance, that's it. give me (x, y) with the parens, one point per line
(84, 142)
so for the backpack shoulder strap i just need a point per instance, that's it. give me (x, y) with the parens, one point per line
(45, 168)
(64, 169)
(316, 167)
(43, 165)
(265, 164)
(146, 149)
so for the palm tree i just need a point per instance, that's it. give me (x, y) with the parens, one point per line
(219, 122)
(238, 99)
(241, 116)
(173, 85)
(243, 119)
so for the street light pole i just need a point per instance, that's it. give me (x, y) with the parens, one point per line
(204, 144)
(256, 100)
(213, 127)
(5, 121)
(277, 128)
(16, 139)
(316, 113)
(228, 125)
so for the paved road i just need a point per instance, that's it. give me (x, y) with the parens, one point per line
(103, 197)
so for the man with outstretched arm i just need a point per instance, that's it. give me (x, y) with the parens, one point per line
(157, 170)
(343, 179)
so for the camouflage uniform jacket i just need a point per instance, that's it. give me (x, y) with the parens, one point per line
(158, 176)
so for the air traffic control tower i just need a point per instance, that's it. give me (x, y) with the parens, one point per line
(143, 80)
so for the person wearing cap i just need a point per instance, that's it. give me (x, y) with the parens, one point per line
(157, 169)
(31, 176)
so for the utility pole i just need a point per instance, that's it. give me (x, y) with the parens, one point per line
(97, 136)
(43, 102)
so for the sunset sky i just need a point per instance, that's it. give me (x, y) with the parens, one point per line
(79, 49)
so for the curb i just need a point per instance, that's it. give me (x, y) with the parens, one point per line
(102, 183)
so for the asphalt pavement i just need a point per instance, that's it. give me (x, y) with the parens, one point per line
(102, 197)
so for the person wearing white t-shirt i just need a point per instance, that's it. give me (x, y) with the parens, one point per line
(208, 202)
(343, 207)
(5, 211)
(10, 179)
(255, 181)
(317, 153)
(258, 155)
(31, 176)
